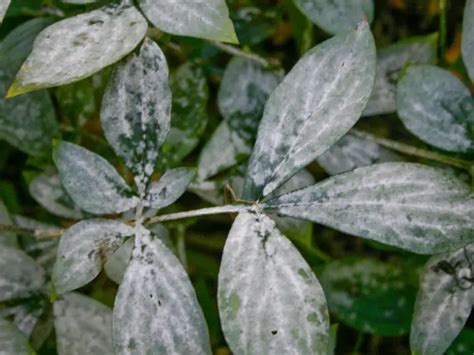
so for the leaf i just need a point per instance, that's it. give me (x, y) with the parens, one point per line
(203, 19)
(19, 274)
(83, 326)
(468, 38)
(254, 25)
(336, 16)
(156, 310)
(369, 295)
(84, 248)
(80, 46)
(463, 343)
(269, 299)
(12, 341)
(7, 239)
(76, 101)
(136, 107)
(437, 107)
(91, 181)
(390, 62)
(410, 206)
(3, 8)
(242, 95)
(444, 301)
(169, 188)
(315, 105)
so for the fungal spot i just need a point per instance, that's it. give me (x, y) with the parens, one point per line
(274, 332)
(132, 344)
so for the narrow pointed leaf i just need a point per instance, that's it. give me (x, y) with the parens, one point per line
(315, 105)
(12, 341)
(136, 109)
(91, 181)
(269, 299)
(156, 310)
(410, 206)
(468, 38)
(3, 8)
(7, 239)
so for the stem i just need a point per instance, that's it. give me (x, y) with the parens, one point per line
(442, 28)
(37, 233)
(240, 53)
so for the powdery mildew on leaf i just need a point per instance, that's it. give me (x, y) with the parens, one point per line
(91, 181)
(7, 239)
(270, 302)
(3, 8)
(444, 301)
(437, 107)
(12, 341)
(83, 326)
(336, 16)
(315, 105)
(84, 248)
(410, 206)
(79, 47)
(468, 38)
(136, 108)
(156, 310)
(197, 18)
(390, 62)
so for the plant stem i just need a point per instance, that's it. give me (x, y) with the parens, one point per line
(442, 28)
(240, 53)
(37, 233)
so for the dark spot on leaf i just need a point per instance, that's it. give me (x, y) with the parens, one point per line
(274, 332)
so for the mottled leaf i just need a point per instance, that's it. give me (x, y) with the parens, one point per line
(269, 299)
(410, 206)
(91, 181)
(83, 326)
(468, 38)
(3, 8)
(254, 25)
(437, 107)
(136, 109)
(315, 105)
(80, 46)
(12, 341)
(7, 239)
(207, 19)
(444, 302)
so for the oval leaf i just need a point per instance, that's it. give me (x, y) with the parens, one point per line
(410, 206)
(315, 105)
(269, 299)
(12, 341)
(468, 38)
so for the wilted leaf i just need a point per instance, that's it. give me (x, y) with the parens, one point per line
(7, 239)
(269, 299)
(12, 341)
(468, 38)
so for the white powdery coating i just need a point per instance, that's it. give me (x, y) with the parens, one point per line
(83, 326)
(390, 62)
(197, 18)
(84, 248)
(91, 181)
(136, 110)
(468, 38)
(336, 16)
(156, 310)
(442, 306)
(12, 341)
(3, 8)
(7, 239)
(435, 106)
(81, 46)
(169, 188)
(19, 274)
(270, 302)
(410, 206)
(316, 104)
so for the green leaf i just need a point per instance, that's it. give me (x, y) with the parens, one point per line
(136, 108)
(369, 295)
(12, 341)
(7, 239)
(269, 299)
(3, 8)
(84, 248)
(444, 302)
(437, 107)
(254, 25)
(336, 16)
(80, 46)
(468, 38)
(315, 105)
(209, 19)
(76, 101)
(83, 326)
(409, 206)
(156, 310)
(390, 62)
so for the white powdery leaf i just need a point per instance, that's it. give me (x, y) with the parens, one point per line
(136, 109)
(19, 274)
(468, 38)
(410, 206)
(169, 188)
(156, 310)
(4, 4)
(270, 302)
(91, 181)
(84, 248)
(437, 107)
(83, 326)
(336, 16)
(390, 62)
(316, 104)
(207, 19)
(444, 302)
(12, 341)
(7, 239)
(80, 46)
